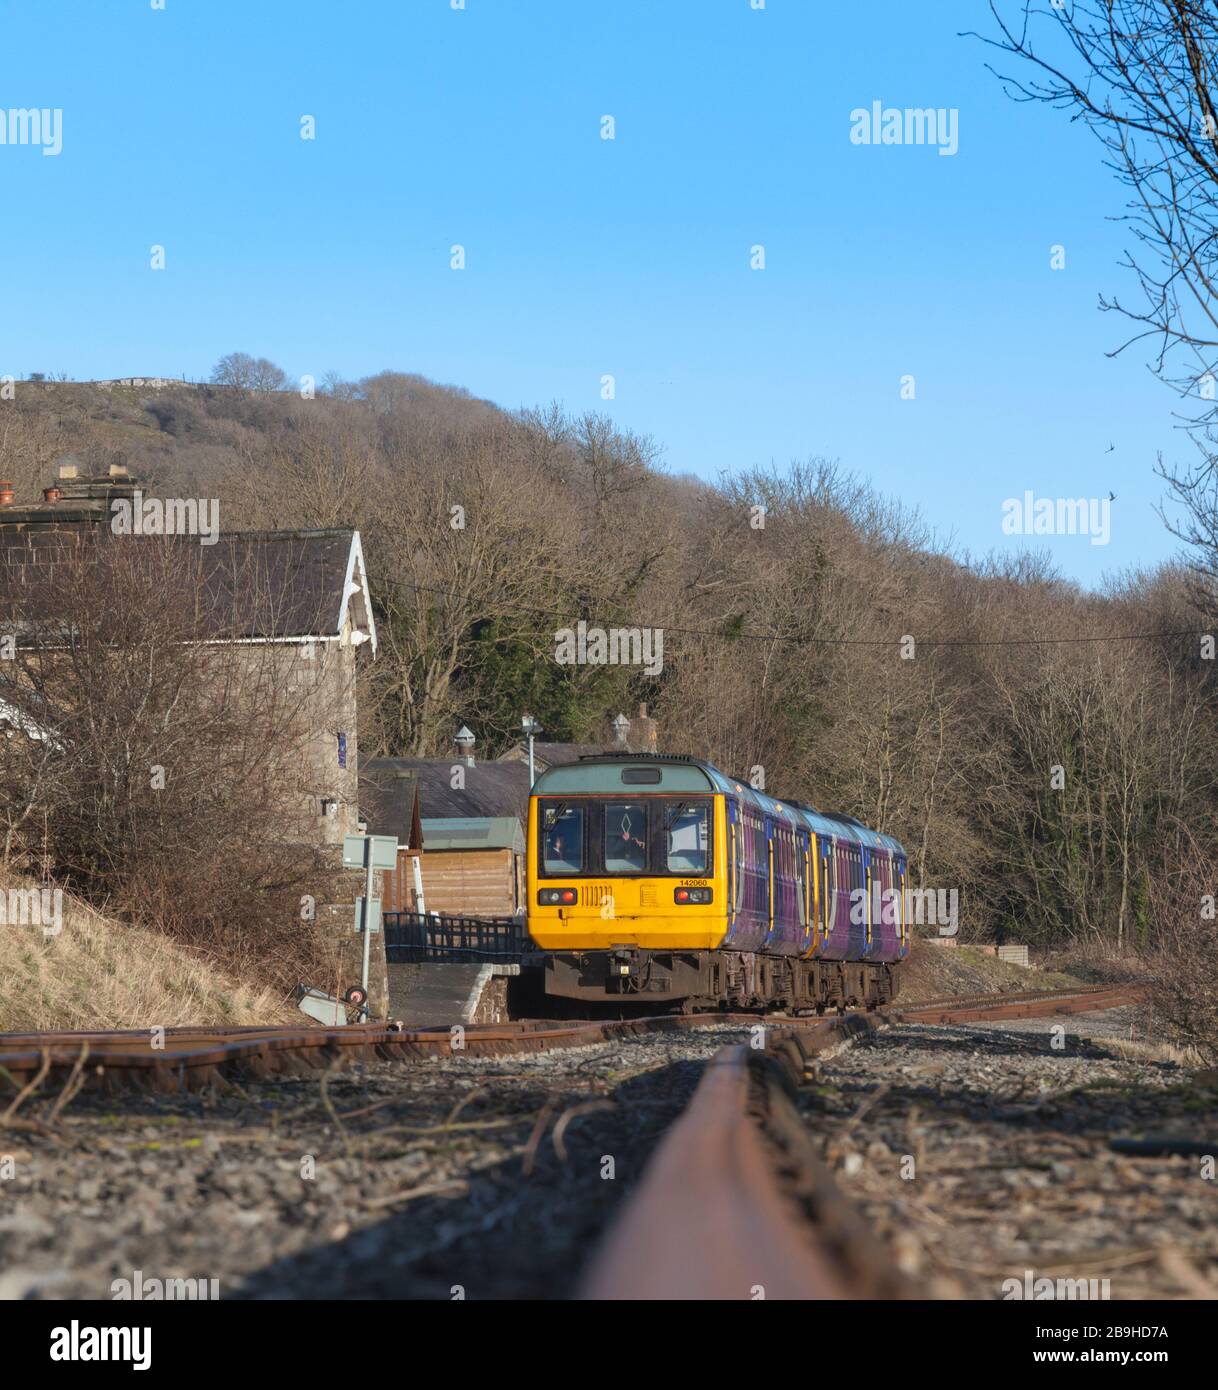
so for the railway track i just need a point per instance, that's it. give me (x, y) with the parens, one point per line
(173, 1059)
(188, 1058)
(1029, 1004)
(736, 1204)
(733, 1202)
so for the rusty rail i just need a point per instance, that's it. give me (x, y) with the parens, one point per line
(186, 1058)
(189, 1058)
(1029, 1004)
(735, 1204)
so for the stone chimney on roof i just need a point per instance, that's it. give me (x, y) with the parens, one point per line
(644, 735)
(74, 499)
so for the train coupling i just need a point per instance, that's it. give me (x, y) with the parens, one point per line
(624, 964)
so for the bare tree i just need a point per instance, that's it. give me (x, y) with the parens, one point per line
(1143, 75)
(246, 373)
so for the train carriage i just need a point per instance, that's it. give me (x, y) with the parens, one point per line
(658, 880)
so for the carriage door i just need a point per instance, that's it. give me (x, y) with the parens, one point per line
(814, 887)
(827, 897)
(899, 884)
(865, 854)
(729, 854)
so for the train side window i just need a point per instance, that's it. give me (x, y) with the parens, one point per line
(761, 861)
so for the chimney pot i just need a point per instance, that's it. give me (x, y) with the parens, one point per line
(51, 494)
(465, 745)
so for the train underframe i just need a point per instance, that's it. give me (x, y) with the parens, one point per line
(694, 980)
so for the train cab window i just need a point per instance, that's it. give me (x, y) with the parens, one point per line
(625, 837)
(687, 837)
(563, 837)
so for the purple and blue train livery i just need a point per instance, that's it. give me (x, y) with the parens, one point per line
(661, 878)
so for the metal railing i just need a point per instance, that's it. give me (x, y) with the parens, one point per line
(413, 936)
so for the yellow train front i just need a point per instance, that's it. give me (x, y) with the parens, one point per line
(656, 881)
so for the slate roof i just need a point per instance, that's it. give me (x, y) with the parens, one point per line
(554, 754)
(389, 801)
(491, 789)
(250, 584)
(293, 581)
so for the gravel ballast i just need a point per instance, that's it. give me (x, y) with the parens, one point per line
(981, 1152)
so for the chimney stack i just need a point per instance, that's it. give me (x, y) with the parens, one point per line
(465, 746)
(643, 733)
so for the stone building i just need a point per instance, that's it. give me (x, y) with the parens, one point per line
(291, 606)
(302, 593)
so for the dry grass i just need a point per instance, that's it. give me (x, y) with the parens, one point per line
(98, 973)
(1138, 1050)
(935, 972)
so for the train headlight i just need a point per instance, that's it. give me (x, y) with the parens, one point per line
(556, 897)
(693, 895)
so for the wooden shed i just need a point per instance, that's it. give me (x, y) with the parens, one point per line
(471, 836)
(473, 866)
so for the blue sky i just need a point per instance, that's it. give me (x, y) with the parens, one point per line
(586, 257)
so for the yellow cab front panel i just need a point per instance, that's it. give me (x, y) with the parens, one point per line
(622, 855)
